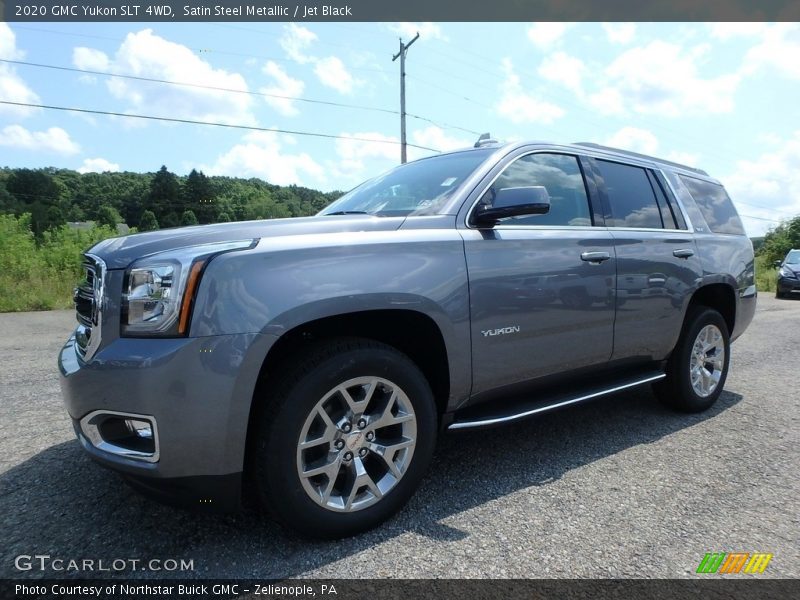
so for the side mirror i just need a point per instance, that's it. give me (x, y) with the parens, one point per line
(513, 202)
(778, 263)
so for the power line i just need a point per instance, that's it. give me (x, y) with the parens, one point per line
(760, 218)
(198, 50)
(212, 123)
(197, 85)
(233, 90)
(761, 206)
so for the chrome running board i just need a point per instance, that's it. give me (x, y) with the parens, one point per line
(532, 408)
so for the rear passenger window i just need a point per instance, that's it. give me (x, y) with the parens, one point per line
(633, 202)
(715, 204)
(561, 175)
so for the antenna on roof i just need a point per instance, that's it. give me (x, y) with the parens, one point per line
(485, 139)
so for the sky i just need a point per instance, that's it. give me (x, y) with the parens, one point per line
(721, 97)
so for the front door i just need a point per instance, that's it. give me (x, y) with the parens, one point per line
(541, 286)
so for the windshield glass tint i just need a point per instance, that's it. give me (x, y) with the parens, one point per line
(416, 188)
(793, 257)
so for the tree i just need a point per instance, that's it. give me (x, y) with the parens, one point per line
(148, 221)
(780, 240)
(188, 218)
(223, 217)
(40, 195)
(108, 216)
(199, 197)
(165, 194)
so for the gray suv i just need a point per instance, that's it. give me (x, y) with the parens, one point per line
(316, 359)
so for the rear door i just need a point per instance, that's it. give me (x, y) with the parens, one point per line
(657, 263)
(541, 286)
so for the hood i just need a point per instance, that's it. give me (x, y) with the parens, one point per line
(120, 252)
(793, 267)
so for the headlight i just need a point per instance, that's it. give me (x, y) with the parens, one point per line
(786, 272)
(159, 289)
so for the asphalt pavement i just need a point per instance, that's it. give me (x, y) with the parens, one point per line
(619, 487)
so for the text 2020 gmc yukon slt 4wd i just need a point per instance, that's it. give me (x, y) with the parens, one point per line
(318, 357)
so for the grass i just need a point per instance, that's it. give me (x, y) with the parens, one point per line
(41, 274)
(766, 275)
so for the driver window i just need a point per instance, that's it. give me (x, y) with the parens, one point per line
(561, 175)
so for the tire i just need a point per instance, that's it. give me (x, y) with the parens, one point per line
(386, 387)
(778, 294)
(678, 390)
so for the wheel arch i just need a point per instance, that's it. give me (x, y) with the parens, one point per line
(414, 333)
(721, 296)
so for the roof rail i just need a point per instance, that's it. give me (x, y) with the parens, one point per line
(645, 156)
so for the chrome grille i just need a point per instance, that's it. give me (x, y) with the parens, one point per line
(88, 298)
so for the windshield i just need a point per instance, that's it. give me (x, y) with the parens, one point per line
(416, 188)
(793, 257)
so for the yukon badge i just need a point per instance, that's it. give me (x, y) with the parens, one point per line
(501, 331)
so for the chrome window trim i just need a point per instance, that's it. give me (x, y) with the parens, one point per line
(653, 229)
(689, 224)
(565, 152)
(92, 435)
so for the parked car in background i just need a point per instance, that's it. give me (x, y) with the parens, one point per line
(789, 275)
(318, 358)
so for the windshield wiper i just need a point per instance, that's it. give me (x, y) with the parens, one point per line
(346, 212)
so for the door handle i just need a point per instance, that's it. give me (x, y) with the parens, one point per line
(683, 253)
(595, 257)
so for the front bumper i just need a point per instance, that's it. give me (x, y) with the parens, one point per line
(197, 390)
(788, 285)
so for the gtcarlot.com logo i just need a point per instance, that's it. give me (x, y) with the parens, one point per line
(46, 562)
(734, 562)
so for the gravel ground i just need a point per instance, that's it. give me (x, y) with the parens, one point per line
(616, 488)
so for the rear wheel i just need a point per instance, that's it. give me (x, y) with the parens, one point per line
(345, 438)
(698, 367)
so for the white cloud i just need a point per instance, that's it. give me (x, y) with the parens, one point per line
(283, 85)
(148, 55)
(644, 141)
(767, 187)
(90, 59)
(332, 73)
(663, 78)
(436, 138)
(260, 154)
(54, 140)
(98, 165)
(295, 41)
(685, 158)
(352, 152)
(635, 140)
(520, 106)
(620, 33)
(726, 31)
(564, 69)
(426, 30)
(12, 87)
(544, 35)
(8, 44)
(608, 101)
(778, 49)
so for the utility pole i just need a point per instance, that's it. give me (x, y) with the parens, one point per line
(402, 54)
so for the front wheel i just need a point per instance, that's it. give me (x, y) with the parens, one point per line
(698, 367)
(344, 439)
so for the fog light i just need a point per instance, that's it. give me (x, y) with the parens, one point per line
(142, 429)
(124, 434)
